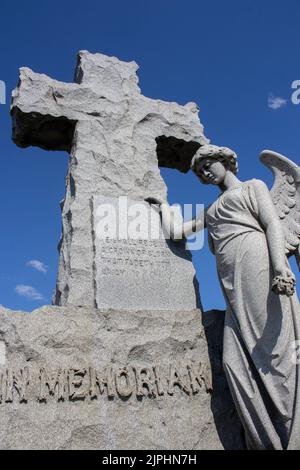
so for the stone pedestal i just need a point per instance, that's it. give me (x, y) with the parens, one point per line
(111, 379)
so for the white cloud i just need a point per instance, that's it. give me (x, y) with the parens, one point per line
(276, 102)
(37, 265)
(29, 292)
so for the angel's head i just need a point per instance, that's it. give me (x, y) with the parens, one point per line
(211, 163)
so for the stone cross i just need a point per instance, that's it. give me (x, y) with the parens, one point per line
(117, 139)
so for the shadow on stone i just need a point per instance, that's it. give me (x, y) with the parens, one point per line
(227, 422)
(175, 153)
(44, 131)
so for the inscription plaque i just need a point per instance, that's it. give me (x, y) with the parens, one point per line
(136, 266)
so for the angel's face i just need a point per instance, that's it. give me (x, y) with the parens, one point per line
(211, 171)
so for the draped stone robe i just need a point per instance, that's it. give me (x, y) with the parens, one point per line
(260, 326)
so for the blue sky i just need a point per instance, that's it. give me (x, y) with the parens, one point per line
(232, 58)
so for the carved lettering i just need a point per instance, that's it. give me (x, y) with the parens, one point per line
(9, 387)
(124, 384)
(120, 255)
(84, 383)
(157, 380)
(16, 382)
(75, 379)
(200, 375)
(144, 380)
(52, 384)
(98, 382)
(176, 378)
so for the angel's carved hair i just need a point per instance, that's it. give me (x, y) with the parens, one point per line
(224, 155)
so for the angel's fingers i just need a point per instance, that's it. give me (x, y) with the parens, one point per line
(291, 275)
(152, 200)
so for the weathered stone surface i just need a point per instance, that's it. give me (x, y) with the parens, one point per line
(142, 270)
(111, 131)
(165, 411)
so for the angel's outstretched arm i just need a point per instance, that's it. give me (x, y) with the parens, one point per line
(173, 223)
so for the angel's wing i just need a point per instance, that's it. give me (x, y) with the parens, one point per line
(285, 194)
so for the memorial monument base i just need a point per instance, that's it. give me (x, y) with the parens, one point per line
(78, 378)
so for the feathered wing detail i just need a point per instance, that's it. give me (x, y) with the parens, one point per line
(285, 194)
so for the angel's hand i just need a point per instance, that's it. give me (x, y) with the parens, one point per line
(155, 200)
(284, 282)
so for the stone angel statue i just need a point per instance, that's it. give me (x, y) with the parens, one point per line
(252, 232)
